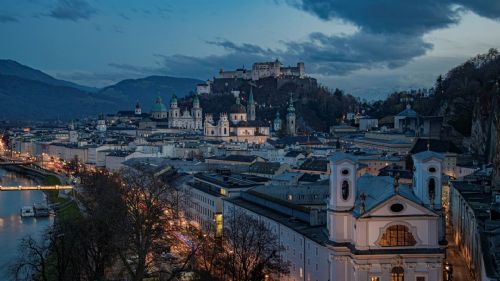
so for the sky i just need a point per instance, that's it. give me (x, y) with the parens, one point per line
(364, 47)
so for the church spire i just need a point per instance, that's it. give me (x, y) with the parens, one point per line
(290, 117)
(290, 104)
(250, 96)
(251, 106)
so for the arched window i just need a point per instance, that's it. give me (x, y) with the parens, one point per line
(397, 236)
(432, 188)
(397, 274)
(345, 190)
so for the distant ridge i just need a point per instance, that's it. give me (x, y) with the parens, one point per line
(13, 68)
(27, 93)
(145, 90)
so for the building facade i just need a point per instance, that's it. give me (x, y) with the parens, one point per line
(376, 228)
(187, 119)
(236, 127)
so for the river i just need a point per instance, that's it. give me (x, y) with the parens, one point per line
(12, 226)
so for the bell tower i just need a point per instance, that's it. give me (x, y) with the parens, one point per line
(197, 113)
(290, 118)
(343, 192)
(138, 110)
(427, 169)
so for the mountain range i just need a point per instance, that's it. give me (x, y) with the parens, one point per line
(27, 93)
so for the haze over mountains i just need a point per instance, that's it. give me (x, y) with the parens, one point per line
(27, 93)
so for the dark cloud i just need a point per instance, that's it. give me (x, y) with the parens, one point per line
(327, 55)
(5, 18)
(485, 8)
(389, 35)
(73, 10)
(399, 16)
(338, 55)
(124, 16)
(386, 16)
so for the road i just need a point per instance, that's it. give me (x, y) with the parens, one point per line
(454, 257)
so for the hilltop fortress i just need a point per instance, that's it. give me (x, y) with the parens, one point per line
(231, 80)
(265, 69)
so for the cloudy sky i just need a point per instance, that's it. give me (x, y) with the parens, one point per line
(365, 47)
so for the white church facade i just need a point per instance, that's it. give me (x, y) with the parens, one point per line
(240, 126)
(377, 229)
(185, 119)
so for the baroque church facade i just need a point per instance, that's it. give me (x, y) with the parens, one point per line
(380, 230)
(239, 126)
(185, 119)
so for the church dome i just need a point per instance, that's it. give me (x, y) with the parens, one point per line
(158, 106)
(238, 107)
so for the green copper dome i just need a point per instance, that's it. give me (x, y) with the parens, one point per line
(158, 106)
(173, 100)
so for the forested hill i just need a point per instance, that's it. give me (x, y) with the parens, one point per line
(462, 96)
(317, 108)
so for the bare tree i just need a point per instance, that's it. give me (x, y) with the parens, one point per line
(103, 210)
(54, 257)
(248, 251)
(32, 260)
(153, 222)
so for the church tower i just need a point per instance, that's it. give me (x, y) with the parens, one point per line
(343, 192)
(251, 106)
(138, 110)
(223, 125)
(174, 113)
(427, 184)
(427, 169)
(197, 113)
(73, 134)
(290, 118)
(277, 122)
(101, 124)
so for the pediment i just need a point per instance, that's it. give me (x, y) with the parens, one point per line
(391, 207)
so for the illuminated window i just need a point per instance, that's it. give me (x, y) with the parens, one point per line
(374, 278)
(397, 274)
(397, 236)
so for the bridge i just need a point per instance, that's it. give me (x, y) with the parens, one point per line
(11, 163)
(35, 187)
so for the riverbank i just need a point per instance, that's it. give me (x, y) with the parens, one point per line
(65, 205)
(12, 226)
(26, 172)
